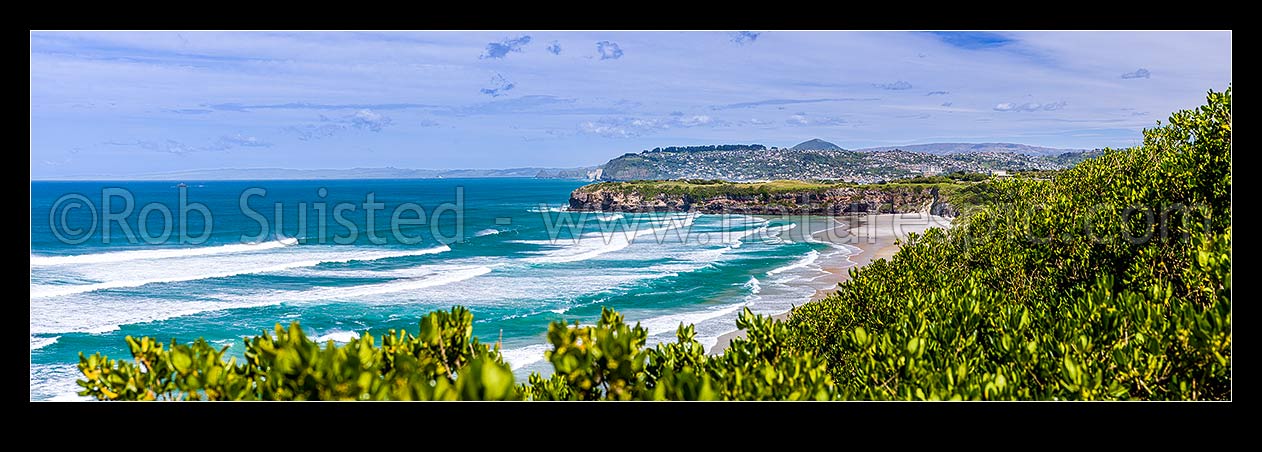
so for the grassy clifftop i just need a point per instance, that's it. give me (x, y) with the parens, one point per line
(713, 188)
(709, 188)
(945, 195)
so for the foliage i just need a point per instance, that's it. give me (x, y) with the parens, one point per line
(606, 361)
(957, 176)
(1110, 281)
(441, 362)
(706, 189)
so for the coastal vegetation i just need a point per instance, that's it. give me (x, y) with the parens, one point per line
(1109, 280)
(443, 361)
(935, 194)
(709, 188)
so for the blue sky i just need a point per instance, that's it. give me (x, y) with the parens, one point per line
(119, 103)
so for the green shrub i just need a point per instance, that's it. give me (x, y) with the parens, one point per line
(607, 361)
(441, 362)
(1058, 289)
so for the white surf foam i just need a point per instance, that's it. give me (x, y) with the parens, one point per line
(56, 382)
(658, 329)
(46, 291)
(806, 261)
(486, 232)
(708, 324)
(830, 232)
(41, 342)
(732, 238)
(435, 279)
(753, 285)
(609, 217)
(524, 356)
(782, 227)
(670, 322)
(706, 256)
(587, 248)
(564, 309)
(123, 256)
(387, 273)
(735, 238)
(597, 243)
(196, 269)
(97, 314)
(516, 286)
(338, 336)
(543, 209)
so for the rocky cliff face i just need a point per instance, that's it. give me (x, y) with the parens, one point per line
(833, 201)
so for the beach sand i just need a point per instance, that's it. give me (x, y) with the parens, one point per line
(876, 236)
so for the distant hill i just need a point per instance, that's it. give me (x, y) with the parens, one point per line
(965, 148)
(739, 163)
(816, 145)
(353, 173)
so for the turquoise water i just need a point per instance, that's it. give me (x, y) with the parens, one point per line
(506, 249)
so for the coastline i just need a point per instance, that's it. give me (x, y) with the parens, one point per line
(875, 236)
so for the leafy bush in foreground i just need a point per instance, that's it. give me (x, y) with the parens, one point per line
(606, 361)
(442, 362)
(1111, 281)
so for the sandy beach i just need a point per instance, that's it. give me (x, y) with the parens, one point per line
(876, 237)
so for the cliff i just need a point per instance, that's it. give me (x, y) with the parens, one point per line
(586, 173)
(773, 198)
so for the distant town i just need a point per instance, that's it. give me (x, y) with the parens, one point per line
(820, 160)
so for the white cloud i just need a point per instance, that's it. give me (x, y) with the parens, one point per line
(364, 119)
(608, 50)
(632, 127)
(803, 119)
(177, 147)
(369, 120)
(1030, 106)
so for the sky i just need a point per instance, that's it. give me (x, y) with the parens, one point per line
(124, 103)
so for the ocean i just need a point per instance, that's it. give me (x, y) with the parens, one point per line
(112, 259)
